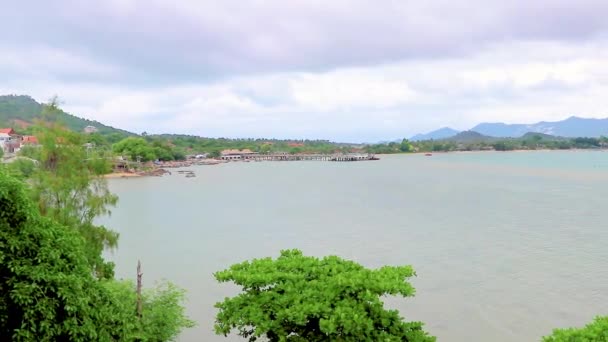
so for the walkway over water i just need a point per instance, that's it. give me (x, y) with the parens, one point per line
(314, 157)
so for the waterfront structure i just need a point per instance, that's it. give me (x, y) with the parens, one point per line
(238, 154)
(283, 156)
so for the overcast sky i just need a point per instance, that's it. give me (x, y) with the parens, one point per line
(345, 70)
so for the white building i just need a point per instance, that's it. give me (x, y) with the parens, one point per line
(90, 129)
(9, 140)
(238, 154)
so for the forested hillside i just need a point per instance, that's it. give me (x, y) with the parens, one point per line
(20, 111)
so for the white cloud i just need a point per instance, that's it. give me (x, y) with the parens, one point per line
(514, 82)
(44, 62)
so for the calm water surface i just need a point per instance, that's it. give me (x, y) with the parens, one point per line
(506, 245)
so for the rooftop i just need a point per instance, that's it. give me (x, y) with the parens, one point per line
(233, 152)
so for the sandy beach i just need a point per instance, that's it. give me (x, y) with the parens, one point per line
(122, 175)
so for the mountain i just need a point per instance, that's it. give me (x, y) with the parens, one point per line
(20, 111)
(469, 137)
(571, 127)
(541, 136)
(441, 133)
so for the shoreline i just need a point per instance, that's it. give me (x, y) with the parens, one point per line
(160, 169)
(516, 151)
(121, 175)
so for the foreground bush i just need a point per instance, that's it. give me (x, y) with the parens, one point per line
(300, 298)
(49, 293)
(596, 331)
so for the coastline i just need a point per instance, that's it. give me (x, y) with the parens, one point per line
(122, 175)
(160, 169)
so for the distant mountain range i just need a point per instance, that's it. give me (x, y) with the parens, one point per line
(20, 111)
(570, 127)
(441, 133)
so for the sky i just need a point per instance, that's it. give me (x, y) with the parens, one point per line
(343, 70)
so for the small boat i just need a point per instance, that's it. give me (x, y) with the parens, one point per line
(428, 154)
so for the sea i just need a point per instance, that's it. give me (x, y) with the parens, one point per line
(506, 245)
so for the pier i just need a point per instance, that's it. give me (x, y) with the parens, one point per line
(309, 157)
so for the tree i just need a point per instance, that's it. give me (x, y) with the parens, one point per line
(163, 316)
(22, 167)
(406, 146)
(135, 148)
(300, 298)
(595, 331)
(69, 187)
(48, 293)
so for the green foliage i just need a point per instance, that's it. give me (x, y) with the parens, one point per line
(22, 167)
(406, 146)
(300, 298)
(213, 146)
(530, 141)
(69, 186)
(163, 316)
(503, 146)
(25, 108)
(148, 149)
(389, 148)
(48, 293)
(30, 152)
(135, 149)
(596, 331)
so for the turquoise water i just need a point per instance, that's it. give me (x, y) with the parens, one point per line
(506, 246)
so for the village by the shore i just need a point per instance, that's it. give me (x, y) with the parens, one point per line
(124, 168)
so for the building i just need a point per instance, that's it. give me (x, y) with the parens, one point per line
(237, 154)
(29, 140)
(10, 141)
(90, 129)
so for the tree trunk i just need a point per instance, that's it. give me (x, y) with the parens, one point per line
(139, 285)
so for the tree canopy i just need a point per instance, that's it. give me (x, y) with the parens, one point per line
(48, 292)
(301, 298)
(596, 331)
(69, 187)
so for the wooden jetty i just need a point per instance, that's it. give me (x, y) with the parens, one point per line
(310, 157)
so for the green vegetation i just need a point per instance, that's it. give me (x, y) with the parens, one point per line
(140, 149)
(56, 286)
(472, 141)
(300, 298)
(163, 316)
(69, 187)
(193, 145)
(17, 111)
(54, 283)
(47, 290)
(597, 331)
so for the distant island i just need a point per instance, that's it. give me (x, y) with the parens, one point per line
(572, 127)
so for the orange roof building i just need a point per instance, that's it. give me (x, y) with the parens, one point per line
(8, 131)
(29, 140)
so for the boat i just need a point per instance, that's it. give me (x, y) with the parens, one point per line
(428, 154)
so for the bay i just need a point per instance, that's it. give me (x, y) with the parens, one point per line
(506, 246)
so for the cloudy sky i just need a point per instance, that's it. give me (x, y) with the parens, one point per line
(345, 70)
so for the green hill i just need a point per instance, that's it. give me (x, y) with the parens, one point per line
(470, 137)
(19, 111)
